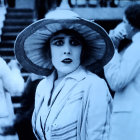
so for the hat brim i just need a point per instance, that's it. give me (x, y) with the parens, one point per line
(30, 42)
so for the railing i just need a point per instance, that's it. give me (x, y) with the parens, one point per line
(100, 3)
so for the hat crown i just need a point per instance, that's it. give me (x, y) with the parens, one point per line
(61, 14)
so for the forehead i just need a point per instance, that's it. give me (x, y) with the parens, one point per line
(68, 32)
(61, 36)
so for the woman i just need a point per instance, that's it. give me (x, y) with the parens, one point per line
(71, 102)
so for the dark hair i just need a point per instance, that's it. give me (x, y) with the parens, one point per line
(132, 14)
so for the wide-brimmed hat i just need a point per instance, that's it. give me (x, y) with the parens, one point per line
(30, 43)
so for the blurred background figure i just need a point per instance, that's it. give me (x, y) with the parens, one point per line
(23, 121)
(11, 83)
(118, 36)
(123, 76)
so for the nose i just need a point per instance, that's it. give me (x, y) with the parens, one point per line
(67, 49)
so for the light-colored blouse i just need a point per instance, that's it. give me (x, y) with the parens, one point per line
(79, 108)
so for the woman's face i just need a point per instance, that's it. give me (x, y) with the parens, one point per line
(65, 53)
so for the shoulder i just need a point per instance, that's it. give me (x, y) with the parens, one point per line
(97, 86)
(97, 91)
(42, 82)
(94, 79)
(41, 86)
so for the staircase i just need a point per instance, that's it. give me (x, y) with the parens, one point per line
(15, 21)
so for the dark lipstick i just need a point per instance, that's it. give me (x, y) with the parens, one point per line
(67, 60)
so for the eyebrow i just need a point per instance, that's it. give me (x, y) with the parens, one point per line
(57, 38)
(73, 37)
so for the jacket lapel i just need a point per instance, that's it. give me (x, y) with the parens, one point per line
(64, 93)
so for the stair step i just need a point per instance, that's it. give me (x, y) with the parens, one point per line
(10, 34)
(30, 14)
(14, 29)
(17, 22)
(8, 37)
(7, 51)
(7, 44)
(19, 10)
(19, 16)
(8, 58)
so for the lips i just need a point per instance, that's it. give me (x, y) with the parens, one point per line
(67, 60)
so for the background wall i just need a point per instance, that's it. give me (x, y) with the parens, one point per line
(25, 4)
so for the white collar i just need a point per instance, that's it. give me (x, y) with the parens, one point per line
(78, 74)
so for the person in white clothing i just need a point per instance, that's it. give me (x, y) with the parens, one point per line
(11, 83)
(71, 102)
(123, 76)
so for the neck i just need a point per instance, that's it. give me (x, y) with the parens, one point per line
(60, 75)
(57, 81)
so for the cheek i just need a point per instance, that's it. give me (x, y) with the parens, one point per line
(54, 56)
(77, 54)
(55, 60)
(55, 52)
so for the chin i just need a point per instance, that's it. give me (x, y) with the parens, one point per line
(67, 70)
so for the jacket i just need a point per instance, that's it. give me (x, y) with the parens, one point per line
(79, 109)
(123, 76)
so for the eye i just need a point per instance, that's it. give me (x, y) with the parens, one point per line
(75, 42)
(58, 42)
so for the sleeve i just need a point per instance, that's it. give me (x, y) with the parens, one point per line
(122, 69)
(39, 98)
(38, 102)
(12, 79)
(36, 108)
(99, 110)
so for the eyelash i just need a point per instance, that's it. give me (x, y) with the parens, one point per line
(72, 42)
(75, 41)
(56, 42)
